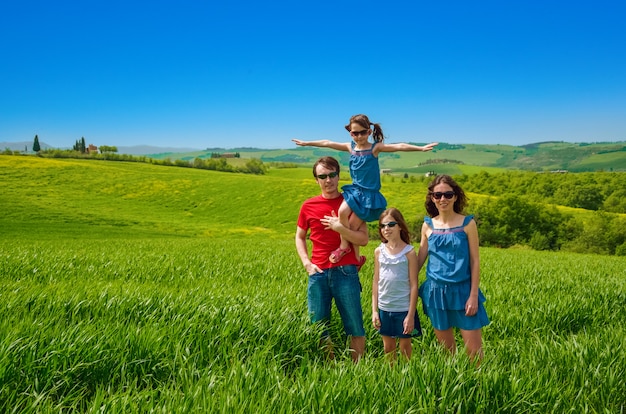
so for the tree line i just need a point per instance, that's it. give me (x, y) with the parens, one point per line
(598, 191)
(510, 220)
(520, 210)
(252, 166)
(216, 163)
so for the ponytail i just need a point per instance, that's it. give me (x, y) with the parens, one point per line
(378, 133)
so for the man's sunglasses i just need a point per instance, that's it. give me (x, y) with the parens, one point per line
(325, 176)
(390, 224)
(448, 194)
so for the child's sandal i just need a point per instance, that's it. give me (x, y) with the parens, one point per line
(338, 254)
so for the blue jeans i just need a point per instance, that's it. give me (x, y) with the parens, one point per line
(342, 284)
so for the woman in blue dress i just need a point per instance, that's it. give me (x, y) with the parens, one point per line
(450, 295)
(363, 196)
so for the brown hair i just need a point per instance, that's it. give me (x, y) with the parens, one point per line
(328, 163)
(461, 199)
(364, 121)
(399, 218)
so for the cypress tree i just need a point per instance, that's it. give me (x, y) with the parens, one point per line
(36, 147)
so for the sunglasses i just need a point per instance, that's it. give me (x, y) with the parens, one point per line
(391, 224)
(325, 176)
(361, 132)
(448, 194)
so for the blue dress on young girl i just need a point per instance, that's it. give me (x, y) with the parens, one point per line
(363, 195)
(448, 280)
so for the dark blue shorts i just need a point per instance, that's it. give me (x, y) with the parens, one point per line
(392, 324)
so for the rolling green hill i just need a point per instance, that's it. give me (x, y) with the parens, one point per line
(448, 158)
(49, 198)
(52, 198)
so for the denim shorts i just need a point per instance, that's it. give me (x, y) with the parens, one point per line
(392, 324)
(342, 284)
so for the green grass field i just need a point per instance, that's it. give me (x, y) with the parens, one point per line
(129, 287)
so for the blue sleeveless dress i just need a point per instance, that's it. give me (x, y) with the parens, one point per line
(448, 280)
(363, 195)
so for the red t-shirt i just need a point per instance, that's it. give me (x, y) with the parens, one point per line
(324, 241)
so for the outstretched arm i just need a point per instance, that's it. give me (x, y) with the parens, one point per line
(339, 146)
(382, 147)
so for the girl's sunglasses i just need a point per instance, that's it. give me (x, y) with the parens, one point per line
(448, 194)
(390, 224)
(358, 133)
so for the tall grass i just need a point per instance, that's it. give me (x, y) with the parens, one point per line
(178, 325)
(139, 288)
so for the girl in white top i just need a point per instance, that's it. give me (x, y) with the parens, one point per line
(395, 286)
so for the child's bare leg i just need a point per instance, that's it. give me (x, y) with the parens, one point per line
(389, 346)
(345, 214)
(406, 347)
(344, 218)
(446, 338)
(354, 222)
(473, 344)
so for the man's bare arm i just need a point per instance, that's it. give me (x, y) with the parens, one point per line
(303, 252)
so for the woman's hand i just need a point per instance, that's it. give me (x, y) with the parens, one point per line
(471, 306)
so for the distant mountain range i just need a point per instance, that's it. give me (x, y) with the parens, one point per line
(23, 146)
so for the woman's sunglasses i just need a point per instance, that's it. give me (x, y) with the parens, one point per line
(325, 176)
(448, 194)
(390, 224)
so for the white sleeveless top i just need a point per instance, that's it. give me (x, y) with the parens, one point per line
(394, 288)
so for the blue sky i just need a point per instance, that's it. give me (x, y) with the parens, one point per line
(257, 74)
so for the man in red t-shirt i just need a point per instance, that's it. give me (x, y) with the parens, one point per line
(328, 281)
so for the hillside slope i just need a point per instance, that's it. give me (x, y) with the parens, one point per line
(575, 157)
(77, 198)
